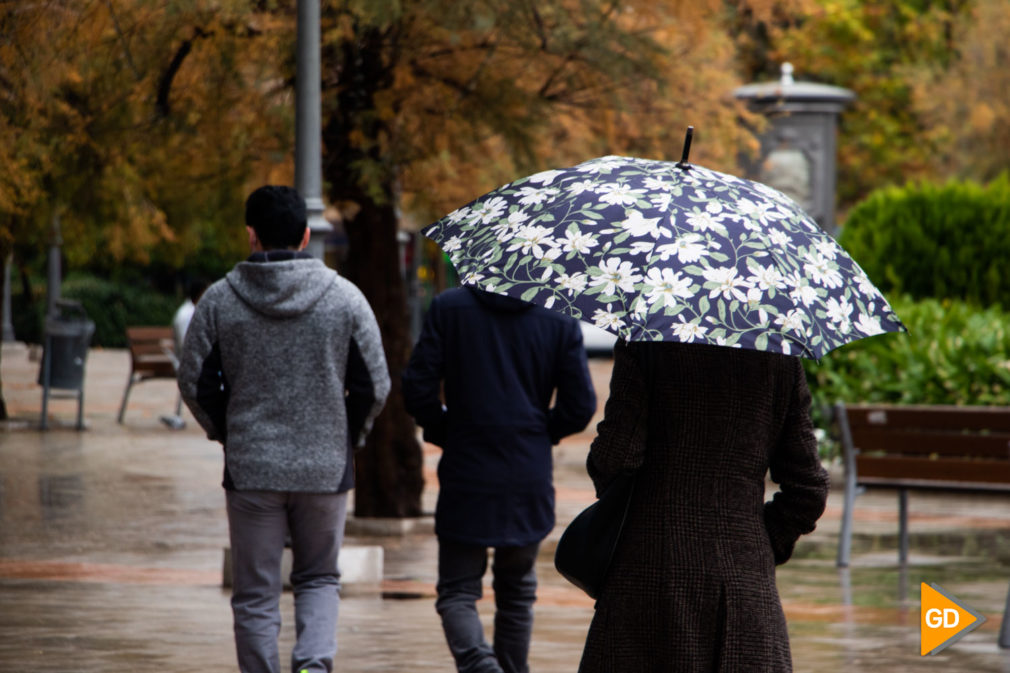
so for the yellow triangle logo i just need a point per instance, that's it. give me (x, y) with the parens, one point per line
(942, 620)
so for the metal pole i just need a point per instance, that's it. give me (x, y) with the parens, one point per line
(1004, 629)
(903, 527)
(54, 276)
(8, 324)
(47, 376)
(845, 535)
(308, 126)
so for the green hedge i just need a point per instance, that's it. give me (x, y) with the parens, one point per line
(927, 240)
(953, 353)
(112, 307)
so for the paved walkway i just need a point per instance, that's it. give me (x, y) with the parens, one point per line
(111, 549)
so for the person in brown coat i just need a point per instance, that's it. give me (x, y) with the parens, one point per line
(692, 583)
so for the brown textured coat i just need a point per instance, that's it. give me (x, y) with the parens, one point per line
(692, 586)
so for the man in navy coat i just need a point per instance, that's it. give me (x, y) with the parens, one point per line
(480, 383)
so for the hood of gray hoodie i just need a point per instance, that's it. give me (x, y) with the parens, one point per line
(281, 289)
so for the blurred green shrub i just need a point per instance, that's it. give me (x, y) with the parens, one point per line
(114, 306)
(953, 353)
(928, 240)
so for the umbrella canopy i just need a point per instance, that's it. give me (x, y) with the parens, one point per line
(656, 250)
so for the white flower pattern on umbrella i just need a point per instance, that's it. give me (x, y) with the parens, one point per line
(535, 240)
(755, 297)
(577, 188)
(545, 177)
(666, 285)
(619, 194)
(723, 281)
(488, 211)
(614, 274)
(688, 331)
(576, 241)
(661, 201)
(766, 277)
(805, 294)
(638, 225)
(574, 283)
(704, 221)
(607, 319)
(869, 324)
(505, 230)
(530, 196)
(791, 321)
(651, 251)
(821, 270)
(838, 312)
(688, 248)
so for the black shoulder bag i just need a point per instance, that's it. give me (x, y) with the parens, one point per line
(587, 545)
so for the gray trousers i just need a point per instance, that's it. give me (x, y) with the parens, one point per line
(461, 568)
(259, 522)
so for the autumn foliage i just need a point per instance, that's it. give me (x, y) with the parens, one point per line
(139, 125)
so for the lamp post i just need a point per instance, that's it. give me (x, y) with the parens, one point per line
(54, 276)
(798, 151)
(308, 129)
(8, 325)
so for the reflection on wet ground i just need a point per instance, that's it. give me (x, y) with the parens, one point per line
(111, 549)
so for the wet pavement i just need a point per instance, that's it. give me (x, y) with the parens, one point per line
(111, 551)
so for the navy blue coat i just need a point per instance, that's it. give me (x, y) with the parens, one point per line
(496, 361)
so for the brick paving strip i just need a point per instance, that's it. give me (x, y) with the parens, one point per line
(68, 571)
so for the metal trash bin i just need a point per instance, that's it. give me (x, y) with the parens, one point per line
(66, 342)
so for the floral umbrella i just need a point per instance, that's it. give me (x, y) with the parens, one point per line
(655, 250)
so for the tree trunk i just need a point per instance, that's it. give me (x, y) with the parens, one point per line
(388, 471)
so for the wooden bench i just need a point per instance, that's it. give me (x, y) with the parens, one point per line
(152, 356)
(932, 447)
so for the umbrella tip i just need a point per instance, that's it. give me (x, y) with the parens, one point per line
(682, 164)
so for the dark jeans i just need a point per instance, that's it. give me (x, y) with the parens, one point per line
(460, 571)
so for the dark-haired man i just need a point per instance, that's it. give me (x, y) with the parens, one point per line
(283, 364)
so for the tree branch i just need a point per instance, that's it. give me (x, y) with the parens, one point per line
(122, 38)
(162, 106)
(538, 21)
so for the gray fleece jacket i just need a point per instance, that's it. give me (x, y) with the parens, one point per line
(283, 364)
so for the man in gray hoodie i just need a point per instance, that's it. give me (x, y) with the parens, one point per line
(283, 364)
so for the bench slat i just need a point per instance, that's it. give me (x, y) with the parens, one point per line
(929, 417)
(927, 485)
(149, 370)
(885, 467)
(890, 439)
(150, 351)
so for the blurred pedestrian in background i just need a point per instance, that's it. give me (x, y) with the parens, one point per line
(283, 364)
(480, 383)
(184, 314)
(692, 584)
(180, 323)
